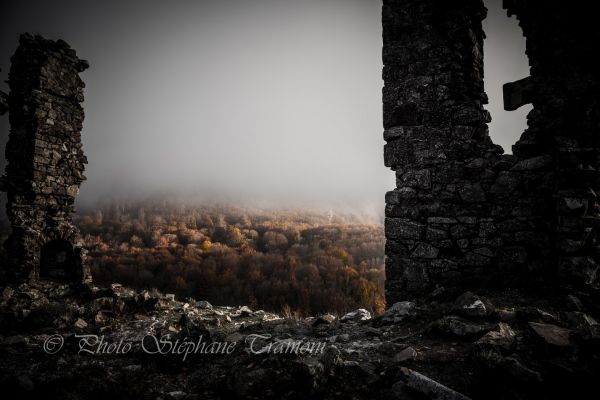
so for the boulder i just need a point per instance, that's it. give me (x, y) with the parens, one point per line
(80, 324)
(408, 353)
(573, 303)
(325, 319)
(245, 311)
(170, 296)
(177, 395)
(581, 322)
(331, 357)
(399, 312)
(204, 305)
(428, 387)
(503, 337)
(15, 340)
(101, 303)
(357, 315)
(473, 306)
(519, 371)
(459, 328)
(552, 335)
(527, 314)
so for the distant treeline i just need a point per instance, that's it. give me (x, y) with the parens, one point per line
(307, 262)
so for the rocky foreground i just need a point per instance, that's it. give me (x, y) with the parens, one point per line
(69, 343)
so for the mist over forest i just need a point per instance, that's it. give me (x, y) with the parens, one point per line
(237, 144)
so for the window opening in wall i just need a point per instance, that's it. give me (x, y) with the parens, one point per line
(504, 62)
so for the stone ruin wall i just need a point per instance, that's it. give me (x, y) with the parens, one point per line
(45, 157)
(464, 215)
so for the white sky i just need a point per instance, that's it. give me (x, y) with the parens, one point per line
(275, 101)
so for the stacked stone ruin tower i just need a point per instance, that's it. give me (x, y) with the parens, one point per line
(464, 215)
(45, 162)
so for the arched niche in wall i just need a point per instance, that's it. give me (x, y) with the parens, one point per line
(59, 260)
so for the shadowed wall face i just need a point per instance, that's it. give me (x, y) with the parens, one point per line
(464, 215)
(564, 128)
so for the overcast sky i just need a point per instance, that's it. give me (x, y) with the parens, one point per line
(275, 101)
(504, 60)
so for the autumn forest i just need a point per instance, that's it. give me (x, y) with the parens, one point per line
(301, 262)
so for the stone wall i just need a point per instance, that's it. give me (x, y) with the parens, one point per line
(45, 161)
(463, 215)
(564, 126)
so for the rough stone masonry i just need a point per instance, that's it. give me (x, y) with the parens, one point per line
(464, 215)
(45, 162)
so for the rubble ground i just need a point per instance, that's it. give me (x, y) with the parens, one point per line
(59, 341)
